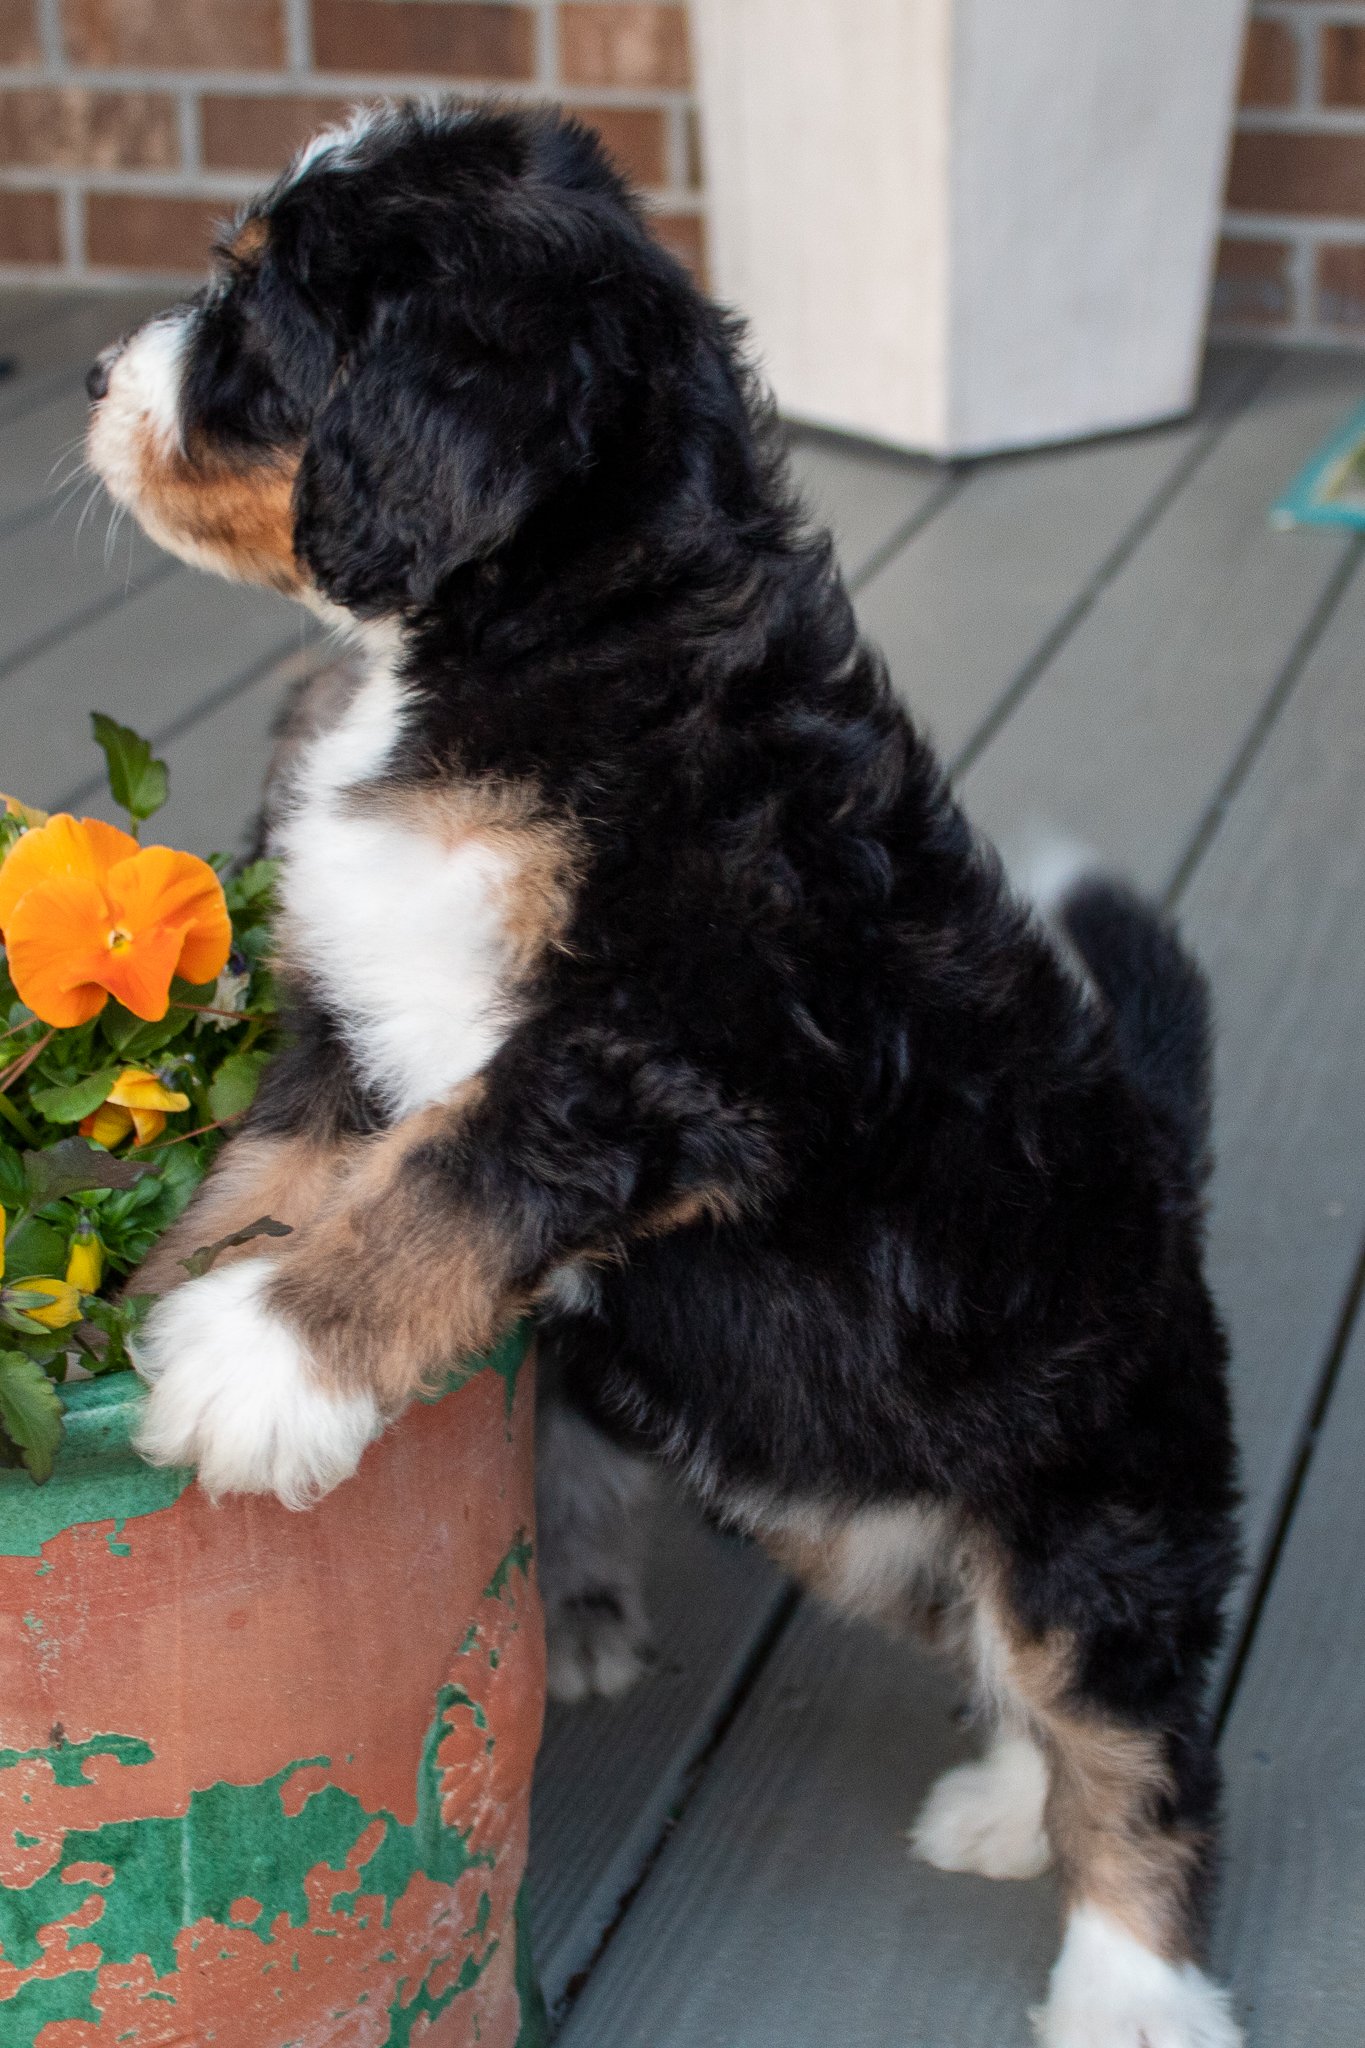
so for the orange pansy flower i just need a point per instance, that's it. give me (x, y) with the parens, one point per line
(87, 914)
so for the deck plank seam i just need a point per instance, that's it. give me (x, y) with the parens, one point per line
(1276, 701)
(86, 615)
(756, 1662)
(284, 667)
(1298, 1471)
(900, 537)
(1222, 417)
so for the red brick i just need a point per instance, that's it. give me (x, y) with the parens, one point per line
(1277, 172)
(1253, 286)
(624, 45)
(425, 38)
(1343, 66)
(1341, 287)
(20, 42)
(685, 235)
(144, 231)
(246, 132)
(1270, 66)
(169, 35)
(637, 138)
(30, 228)
(70, 128)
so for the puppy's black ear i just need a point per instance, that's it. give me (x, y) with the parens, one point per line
(429, 452)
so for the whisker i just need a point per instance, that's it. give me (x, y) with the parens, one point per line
(65, 453)
(86, 510)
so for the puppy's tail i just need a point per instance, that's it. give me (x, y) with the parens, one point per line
(1156, 993)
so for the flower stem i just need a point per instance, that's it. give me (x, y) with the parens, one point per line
(11, 1113)
(19, 1067)
(143, 1151)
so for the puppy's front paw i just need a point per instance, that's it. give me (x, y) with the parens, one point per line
(1108, 1991)
(988, 1817)
(234, 1392)
(597, 1647)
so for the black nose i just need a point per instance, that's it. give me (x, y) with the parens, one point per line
(97, 380)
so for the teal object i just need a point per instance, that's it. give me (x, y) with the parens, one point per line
(1330, 490)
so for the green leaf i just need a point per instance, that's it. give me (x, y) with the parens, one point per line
(13, 1189)
(200, 1262)
(252, 888)
(73, 1167)
(138, 782)
(30, 1412)
(68, 1104)
(35, 1247)
(136, 1042)
(233, 1088)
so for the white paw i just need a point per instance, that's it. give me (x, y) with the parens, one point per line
(1108, 1991)
(596, 1648)
(988, 1817)
(233, 1392)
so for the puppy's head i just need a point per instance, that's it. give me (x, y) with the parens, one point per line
(435, 322)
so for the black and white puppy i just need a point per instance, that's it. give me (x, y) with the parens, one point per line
(645, 969)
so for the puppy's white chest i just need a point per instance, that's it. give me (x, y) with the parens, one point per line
(402, 930)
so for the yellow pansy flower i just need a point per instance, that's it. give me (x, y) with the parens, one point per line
(138, 1102)
(56, 1304)
(85, 1263)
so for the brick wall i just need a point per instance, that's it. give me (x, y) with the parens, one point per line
(1293, 257)
(128, 127)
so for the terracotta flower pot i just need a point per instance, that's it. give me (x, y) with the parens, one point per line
(264, 1777)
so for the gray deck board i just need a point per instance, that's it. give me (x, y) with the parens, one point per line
(56, 349)
(864, 495)
(39, 452)
(1293, 1922)
(970, 604)
(149, 663)
(786, 1911)
(610, 1772)
(1277, 913)
(1126, 733)
(50, 580)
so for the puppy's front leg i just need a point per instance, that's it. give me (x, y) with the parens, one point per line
(273, 1374)
(285, 1177)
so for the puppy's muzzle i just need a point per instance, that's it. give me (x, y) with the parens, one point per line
(98, 375)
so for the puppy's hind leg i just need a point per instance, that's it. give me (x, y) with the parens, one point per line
(591, 1498)
(1131, 1813)
(902, 1567)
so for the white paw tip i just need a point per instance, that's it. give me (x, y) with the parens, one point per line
(592, 1655)
(233, 1392)
(1108, 1991)
(987, 1817)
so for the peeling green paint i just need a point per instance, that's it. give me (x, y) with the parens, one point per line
(52, 1998)
(505, 1359)
(404, 2017)
(236, 1841)
(67, 1760)
(518, 1559)
(98, 1478)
